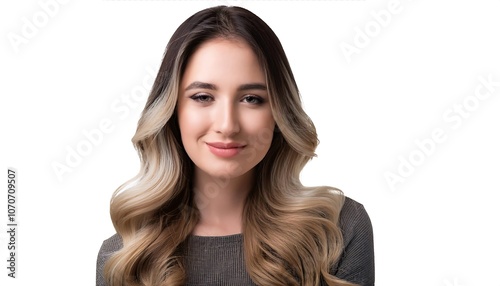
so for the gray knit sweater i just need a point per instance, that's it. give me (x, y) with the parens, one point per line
(219, 260)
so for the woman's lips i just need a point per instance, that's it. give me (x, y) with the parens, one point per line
(225, 150)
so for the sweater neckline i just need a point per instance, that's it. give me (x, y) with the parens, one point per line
(224, 238)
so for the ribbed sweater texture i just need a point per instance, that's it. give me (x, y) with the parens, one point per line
(219, 260)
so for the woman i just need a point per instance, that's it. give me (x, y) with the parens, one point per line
(218, 200)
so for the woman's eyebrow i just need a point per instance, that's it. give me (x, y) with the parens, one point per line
(201, 85)
(205, 85)
(252, 86)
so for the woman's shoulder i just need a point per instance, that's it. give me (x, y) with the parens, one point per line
(357, 263)
(352, 207)
(112, 244)
(108, 247)
(354, 218)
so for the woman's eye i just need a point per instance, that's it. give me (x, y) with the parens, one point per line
(201, 97)
(252, 99)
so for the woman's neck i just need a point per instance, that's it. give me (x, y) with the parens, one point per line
(220, 202)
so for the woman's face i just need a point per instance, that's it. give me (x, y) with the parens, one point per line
(223, 109)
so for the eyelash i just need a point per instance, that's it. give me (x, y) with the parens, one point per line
(200, 97)
(254, 98)
(205, 98)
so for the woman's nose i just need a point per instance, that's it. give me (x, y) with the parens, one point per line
(226, 119)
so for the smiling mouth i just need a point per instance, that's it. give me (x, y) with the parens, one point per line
(225, 150)
(221, 145)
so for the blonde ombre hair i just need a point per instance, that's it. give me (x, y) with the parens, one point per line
(291, 232)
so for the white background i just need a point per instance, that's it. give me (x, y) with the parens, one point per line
(80, 65)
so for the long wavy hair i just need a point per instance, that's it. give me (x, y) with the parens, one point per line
(291, 232)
